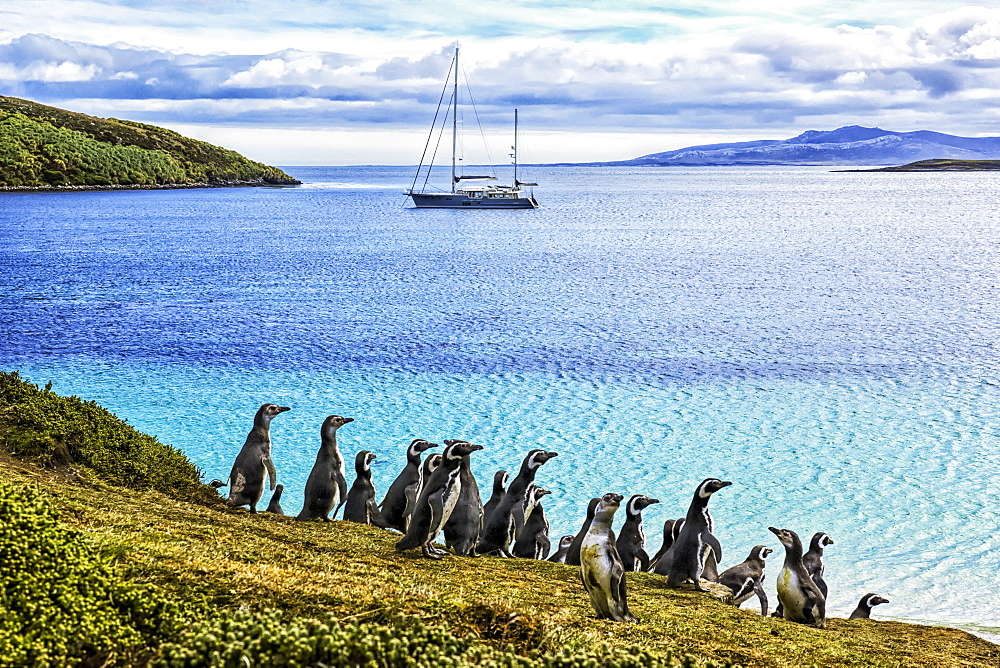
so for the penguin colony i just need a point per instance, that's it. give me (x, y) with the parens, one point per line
(440, 497)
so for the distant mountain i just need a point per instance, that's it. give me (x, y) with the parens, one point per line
(47, 147)
(850, 145)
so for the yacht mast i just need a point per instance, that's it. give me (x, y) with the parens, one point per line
(515, 147)
(454, 122)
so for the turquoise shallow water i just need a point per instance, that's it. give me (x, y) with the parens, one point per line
(825, 341)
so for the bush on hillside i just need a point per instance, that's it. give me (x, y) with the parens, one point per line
(60, 604)
(54, 430)
(268, 639)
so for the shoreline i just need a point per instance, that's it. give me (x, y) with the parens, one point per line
(157, 186)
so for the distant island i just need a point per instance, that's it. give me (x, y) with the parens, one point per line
(940, 166)
(44, 148)
(849, 145)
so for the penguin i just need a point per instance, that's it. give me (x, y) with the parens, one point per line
(813, 560)
(800, 598)
(601, 566)
(398, 501)
(246, 479)
(498, 531)
(430, 465)
(326, 488)
(573, 553)
(461, 531)
(275, 505)
(631, 539)
(360, 506)
(865, 605)
(436, 502)
(522, 511)
(687, 557)
(560, 555)
(500, 479)
(747, 579)
(533, 542)
(668, 540)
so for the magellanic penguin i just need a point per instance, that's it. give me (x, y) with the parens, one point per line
(461, 531)
(430, 465)
(275, 505)
(747, 579)
(813, 561)
(668, 540)
(398, 502)
(360, 506)
(560, 555)
(573, 553)
(246, 479)
(533, 541)
(865, 605)
(500, 479)
(631, 539)
(695, 544)
(601, 567)
(498, 531)
(436, 502)
(800, 598)
(326, 487)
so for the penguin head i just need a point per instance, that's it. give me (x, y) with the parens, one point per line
(787, 537)
(418, 445)
(760, 552)
(539, 492)
(268, 411)
(536, 458)
(458, 449)
(334, 422)
(611, 499)
(432, 462)
(566, 541)
(871, 600)
(278, 489)
(363, 461)
(500, 478)
(638, 503)
(821, 540)
(710, 486)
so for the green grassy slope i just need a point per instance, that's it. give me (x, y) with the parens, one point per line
(42, 146)
(180, 579)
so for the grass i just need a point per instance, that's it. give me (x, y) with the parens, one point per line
(220, 560)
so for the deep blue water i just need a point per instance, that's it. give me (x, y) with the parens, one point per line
(827, 341)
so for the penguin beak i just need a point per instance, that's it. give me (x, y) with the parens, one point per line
(652, 501)
(346, 420)
(282, 409)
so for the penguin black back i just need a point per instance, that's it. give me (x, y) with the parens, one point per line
(573, 553)
(403, 491)
(360, 506)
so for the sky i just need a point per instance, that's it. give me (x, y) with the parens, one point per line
(310, 82)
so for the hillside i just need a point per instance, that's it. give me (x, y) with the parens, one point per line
(47, 147)
(941, 166)
(115, 554)
(849, 145)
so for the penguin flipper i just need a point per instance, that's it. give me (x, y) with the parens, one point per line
(272, 474)
(716, 546)
(762, 597)
(643, 559)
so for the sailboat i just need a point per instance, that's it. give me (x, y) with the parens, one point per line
(467, 192)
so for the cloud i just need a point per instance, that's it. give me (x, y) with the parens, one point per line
(714, 73)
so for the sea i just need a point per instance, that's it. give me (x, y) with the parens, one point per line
(827, 341)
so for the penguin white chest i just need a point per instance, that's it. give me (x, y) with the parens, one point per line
(451, 494)
(790, 593)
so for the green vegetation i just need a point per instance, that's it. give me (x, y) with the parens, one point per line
(169, 579)
(42, 146)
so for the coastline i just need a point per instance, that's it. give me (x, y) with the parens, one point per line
(262, 183)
